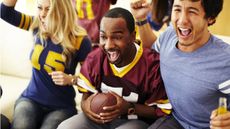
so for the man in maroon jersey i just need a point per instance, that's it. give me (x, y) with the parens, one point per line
(127, 70)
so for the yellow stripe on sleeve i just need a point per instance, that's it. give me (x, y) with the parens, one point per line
(163, 104)
(82, 89)
(166, 111)
(78, 42)
(86, 81)
(22, 20)
(27, 21)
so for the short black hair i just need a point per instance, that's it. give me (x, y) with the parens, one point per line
(212, 8)
(122, 13)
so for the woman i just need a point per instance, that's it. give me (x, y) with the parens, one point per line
(159, 14)
(59, 44)
(156, 12)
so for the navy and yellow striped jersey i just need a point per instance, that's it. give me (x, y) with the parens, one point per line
(16, 18)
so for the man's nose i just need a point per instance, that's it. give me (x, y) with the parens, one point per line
(183, 19)
(109, 43)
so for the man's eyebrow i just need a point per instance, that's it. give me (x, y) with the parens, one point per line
(115, 32)
(102, 31)
(193, 8)
(178, 6)
(119, 31)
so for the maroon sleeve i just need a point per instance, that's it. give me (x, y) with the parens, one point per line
(92, 66)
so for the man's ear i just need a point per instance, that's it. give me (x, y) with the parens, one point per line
(211, 21)
(133, 35)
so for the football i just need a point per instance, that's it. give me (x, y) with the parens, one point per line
(100, 100)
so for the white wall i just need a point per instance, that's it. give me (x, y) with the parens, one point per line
(122, 3)
(15, 47)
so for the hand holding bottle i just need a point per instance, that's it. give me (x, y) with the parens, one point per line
(220, 118)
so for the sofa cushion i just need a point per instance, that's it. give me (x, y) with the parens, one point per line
(12, 87)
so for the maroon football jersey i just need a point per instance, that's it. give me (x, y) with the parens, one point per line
(90, 13)
(138, 82)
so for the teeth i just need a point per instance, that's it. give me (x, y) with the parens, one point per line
(149, 1)
(182, 29)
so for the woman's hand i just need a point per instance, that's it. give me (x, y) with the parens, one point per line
(60, 78)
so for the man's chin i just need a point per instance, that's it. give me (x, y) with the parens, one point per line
(112, 62)
(115, 62)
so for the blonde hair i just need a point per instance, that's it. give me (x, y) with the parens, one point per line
(62, 26)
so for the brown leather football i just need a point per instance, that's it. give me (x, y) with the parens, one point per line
(100, 100)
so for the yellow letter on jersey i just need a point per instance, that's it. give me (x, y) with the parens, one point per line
(89, 10)
(35, 56)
